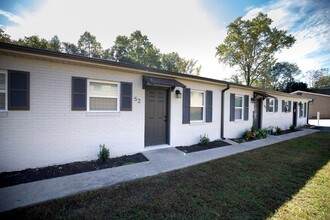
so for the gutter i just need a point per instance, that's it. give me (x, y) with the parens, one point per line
(308, 109)
(222, 111)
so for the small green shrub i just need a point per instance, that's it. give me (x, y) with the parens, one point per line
(204, 140)
(104, 153)
(278, 130)
(292, 127)
(254, 134)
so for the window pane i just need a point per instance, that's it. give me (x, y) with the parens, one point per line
(2, 81)
(238, 101)
(238, 113)
(197, 98)
(271, 108)
(196, 114)
(18, 99)
(103, 104)
(103, 89)
(2, 101)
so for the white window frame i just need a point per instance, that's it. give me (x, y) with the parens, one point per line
(242, 115)
(5, 91)
(273, 105)
(100, 96)
(301, 109)
(203, 106)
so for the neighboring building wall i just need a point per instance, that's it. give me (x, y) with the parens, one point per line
(320, 104)
(234, 129)
(51, 133)
(282, 119)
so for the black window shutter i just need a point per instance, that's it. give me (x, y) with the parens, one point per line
(283, 106)
(267, 105)
(276, 105)
(209, 103)
(126, 96)
(300, 108)
(246, 107)
(186, 106)
(232, 107)
(305, 109)
(79, 94)
(289, 108)
(18, 90)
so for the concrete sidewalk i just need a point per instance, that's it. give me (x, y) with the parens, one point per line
(160, 161)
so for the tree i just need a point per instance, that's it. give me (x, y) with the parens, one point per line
(70, 48)
(55, 44)
(323, 82)
(34, 41)
(88, 46)
(189, 67)
(314, 76)
(136, 49)
(280, 75)
(173, 62)
(251, 45)
(4, 38)
(294, 86)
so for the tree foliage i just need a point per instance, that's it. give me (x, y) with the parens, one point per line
(323, 82)
(317, 78)
(89, 46)
(251, 45)
(294, 86)
(279, 75)
(135, 49)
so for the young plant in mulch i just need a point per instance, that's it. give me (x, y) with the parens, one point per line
(278, 130)
(104, 153)
(252, 134)
(292, 127)
(204, 140)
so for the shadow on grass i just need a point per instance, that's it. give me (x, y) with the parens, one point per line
(250, 185)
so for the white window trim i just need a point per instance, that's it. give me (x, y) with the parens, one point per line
(5, 90)
(100, 96)
(273, 105)
(204, 106)
(242, 115)
(301, 108)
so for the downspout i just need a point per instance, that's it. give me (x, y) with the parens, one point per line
(222, 111)
(308, 109)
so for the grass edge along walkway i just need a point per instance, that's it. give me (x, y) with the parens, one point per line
(252, 184)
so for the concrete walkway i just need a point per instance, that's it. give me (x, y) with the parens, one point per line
(160, 161)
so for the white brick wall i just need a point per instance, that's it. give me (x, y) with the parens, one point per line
(234, 129)
(50, 133)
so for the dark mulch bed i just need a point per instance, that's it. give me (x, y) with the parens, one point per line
(288, 131)
(200, 147)
(30, 175)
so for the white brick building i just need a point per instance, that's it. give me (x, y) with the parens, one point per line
(57, 108)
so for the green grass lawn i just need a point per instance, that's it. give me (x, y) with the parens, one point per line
(289, 180)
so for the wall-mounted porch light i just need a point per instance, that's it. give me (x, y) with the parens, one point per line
(178, 93)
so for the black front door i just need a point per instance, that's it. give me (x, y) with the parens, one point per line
(257, 113)
(155, 116)
(294, 110)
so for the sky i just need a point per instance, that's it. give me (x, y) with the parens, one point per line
(193, 28)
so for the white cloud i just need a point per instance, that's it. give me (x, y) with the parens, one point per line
(11, 17)
(180, 26)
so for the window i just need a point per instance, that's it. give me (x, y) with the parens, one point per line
(301, 110)
(197, 106)
(271, 105)
(18, 90)
(103, 96)
(238, 107)
(3, 90)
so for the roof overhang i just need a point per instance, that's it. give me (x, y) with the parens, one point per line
(155, 81)
(257, 95)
